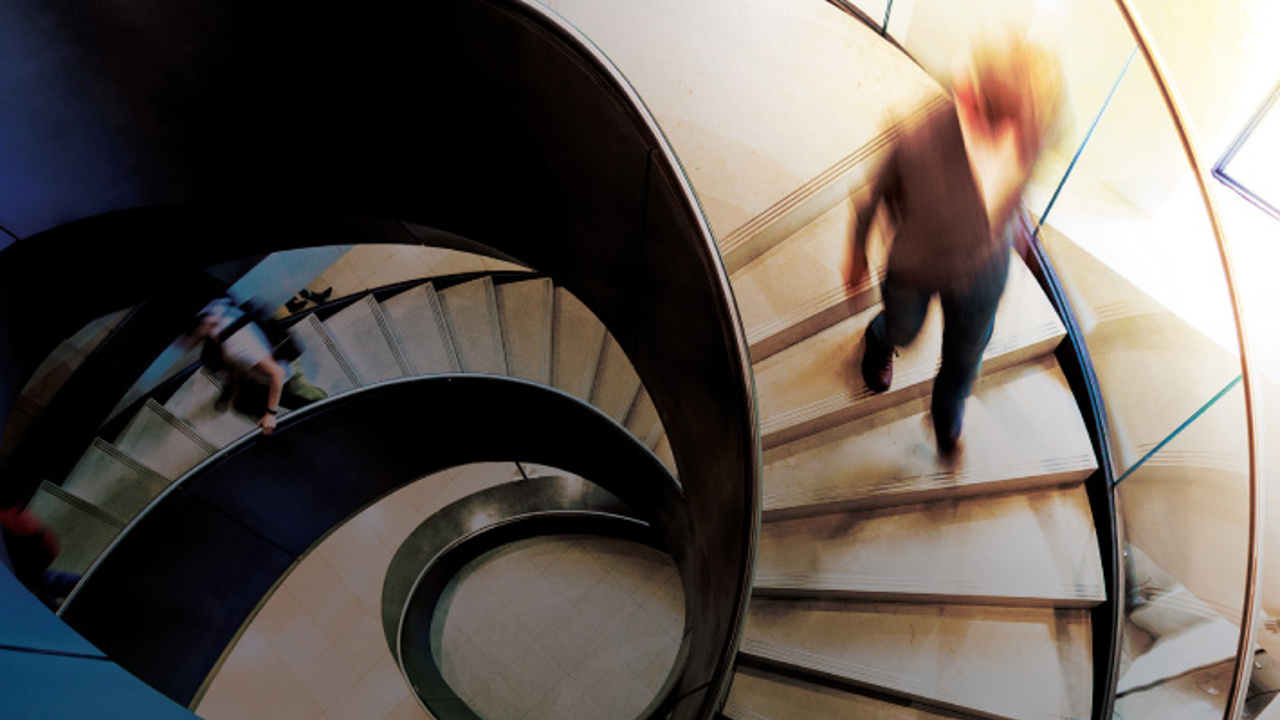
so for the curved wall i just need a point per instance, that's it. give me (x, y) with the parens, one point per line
(206, 134)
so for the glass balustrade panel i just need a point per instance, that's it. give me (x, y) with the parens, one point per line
(1131, 239)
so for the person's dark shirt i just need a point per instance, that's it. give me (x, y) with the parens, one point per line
(943, 235)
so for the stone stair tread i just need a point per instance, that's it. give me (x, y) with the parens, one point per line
(577, 337)
(1204, 644)
(361, 335)
(643, 421)
(1022, 430)
(754, 135)
(757, 694)
(1199, 695)
(83, 529)
(616, 384)
(994, 662)
(753, 152)
(417, 322)
(470, 309)
(833, 185)
(1034, 548)
(798, 288)
(321, 360)
(816, 384)
(113, 481)
(525, 308)
(193, 403)
(163, 442)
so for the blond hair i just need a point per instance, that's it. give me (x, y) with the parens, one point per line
(1021, 82)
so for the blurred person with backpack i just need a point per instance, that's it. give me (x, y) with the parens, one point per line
(256, 357)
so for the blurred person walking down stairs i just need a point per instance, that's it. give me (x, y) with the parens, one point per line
(952, 187)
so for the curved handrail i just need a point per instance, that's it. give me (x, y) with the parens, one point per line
(1077, 365)
(1240, 677)
(419, 610)
(465, 517)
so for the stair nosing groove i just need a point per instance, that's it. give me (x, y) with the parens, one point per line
(736, 239)
(910, 585)
(880, 680)
(384, 325)
(810, 308)
(937, 480)
(999, 356)
(334, 351)
(88, 507)
(181, 426)
(442, 326)
(128, 460)
(495, 324)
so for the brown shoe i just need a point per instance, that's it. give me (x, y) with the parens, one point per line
(877, 364)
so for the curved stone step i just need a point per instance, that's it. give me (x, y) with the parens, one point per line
(816, 384)
(798, 288)
(1022, 430)
(1029, 549)
(577, 339)
(526, 310)
(994, 662)
(643, 421)
(848, 175)
(765, 152)
(163, 442)
(471, 312)
(362, 335)
(83, 529)
(363, 267)
(757, 694)
(113, 481)
(194, 402)
(321, 361)
(614, 389)
(1200, 695)
(417, 322)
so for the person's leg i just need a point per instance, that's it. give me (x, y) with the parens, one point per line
(968, 316)
(299, 391)
(897, 325)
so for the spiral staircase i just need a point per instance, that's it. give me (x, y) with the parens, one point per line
(865, 579)
(522, 327)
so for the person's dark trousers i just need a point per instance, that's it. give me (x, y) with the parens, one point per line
(968, 315)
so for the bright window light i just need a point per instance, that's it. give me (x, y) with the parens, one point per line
(1249, 165)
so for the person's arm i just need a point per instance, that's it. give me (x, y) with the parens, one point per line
(275, 387)
(856, 266)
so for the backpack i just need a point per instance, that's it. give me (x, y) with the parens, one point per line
(284, 347)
